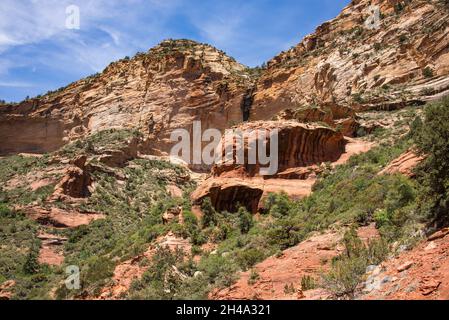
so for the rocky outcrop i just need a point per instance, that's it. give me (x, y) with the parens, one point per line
(299, 145)
(59, 218)
(173, 214)
(345, 63)
(229, 195)
(51, 251)
(302, 150)
(156, 92)
(6, 289)
(307, 114)
(404, 164)
(348, 127)
(75, 182)
(118, 157)
(418, 274)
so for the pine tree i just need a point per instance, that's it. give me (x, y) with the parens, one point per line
(245, 220)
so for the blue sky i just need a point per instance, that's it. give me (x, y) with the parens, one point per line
(38, 53)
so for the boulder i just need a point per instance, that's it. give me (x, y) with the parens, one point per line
(76, 181)
(172, 214)
(404, 164)
(6, 290)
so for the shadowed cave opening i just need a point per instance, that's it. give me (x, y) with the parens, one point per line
(231, 198)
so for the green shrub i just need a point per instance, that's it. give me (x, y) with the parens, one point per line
(427, 72)
(290, 289)
(403, 38)
(347, 270)
(284, 233)
(245, 220)
(278, 205)
(219, 270)
(31, 265)
(344, 277)
(209, 214)
(382, 218)
(399, 7)
(358, 98)
(253, 277)
(247, 258)
(308, 283)
(378, 251)
(5, 212)
(164, 278)
(97, 269)
(433, 174)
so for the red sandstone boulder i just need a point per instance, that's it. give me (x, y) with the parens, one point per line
(405, 164)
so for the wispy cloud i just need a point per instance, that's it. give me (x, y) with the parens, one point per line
(16, 84)
(35, 46)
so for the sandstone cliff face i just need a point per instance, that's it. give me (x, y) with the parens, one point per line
(300, 148)
(167, 88)
(342, 67)
(344, 63)
(299, 145)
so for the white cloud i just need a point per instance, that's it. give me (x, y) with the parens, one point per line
(23, 22)
(113, 34)
(16, 84)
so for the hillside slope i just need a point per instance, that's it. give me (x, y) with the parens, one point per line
(85, 179)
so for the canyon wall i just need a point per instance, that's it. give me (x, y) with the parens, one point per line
(167, 88)
(344, 63)
(301, 149)
(344, 66)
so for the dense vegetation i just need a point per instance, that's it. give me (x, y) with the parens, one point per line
(135, 197)
(432, 139)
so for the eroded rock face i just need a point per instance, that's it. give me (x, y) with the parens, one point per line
(229, 195)
(344, 63)
(6, 290)
(51, 251)
(342, 66)
(173, 214)
(118, 158)
(349, 127)
(167, 88)
(299, 145)
(75, 182)
(59, 218)
(404, 164)
(34, 135)
(301, 148)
